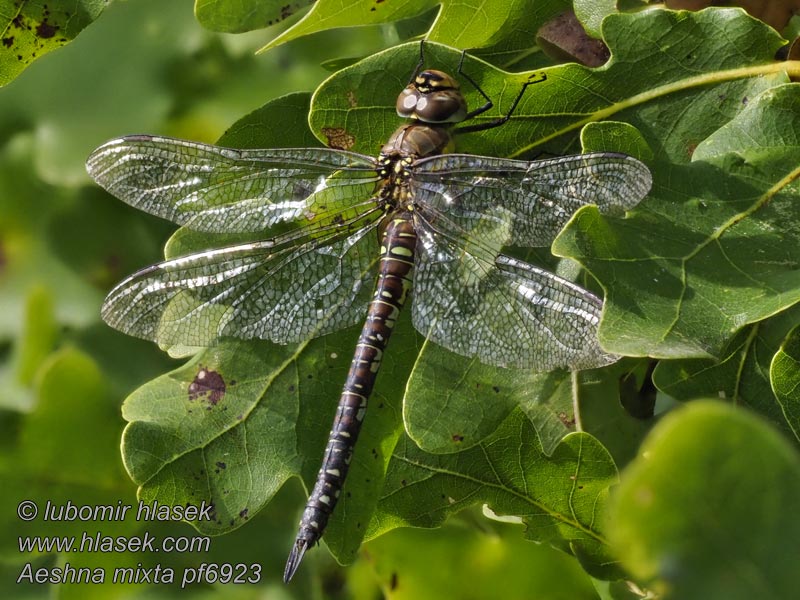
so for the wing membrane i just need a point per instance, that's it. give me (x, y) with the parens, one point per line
(286, 289)
(505, 312)
(214, 189)
(539, 196)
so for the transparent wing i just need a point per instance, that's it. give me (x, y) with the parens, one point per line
(539, 196)
(214, 189)
(287, 289)
(479, 303)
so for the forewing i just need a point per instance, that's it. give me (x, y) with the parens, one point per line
(540, 196)
(505, 312)
(214, 189)
(287, 289)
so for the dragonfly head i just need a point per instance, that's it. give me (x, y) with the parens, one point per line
(433, 97)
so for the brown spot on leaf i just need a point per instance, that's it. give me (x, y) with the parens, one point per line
(45, 30)
(567, 420)
(393, 581)
(351, 99)
(8, 41)
(244, 512)
(457, 437)
(208, 384)
(338, 138)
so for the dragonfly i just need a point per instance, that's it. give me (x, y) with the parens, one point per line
(353, 230)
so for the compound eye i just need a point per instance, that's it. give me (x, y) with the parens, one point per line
(407, 102)
(433, 97)
(442, 106)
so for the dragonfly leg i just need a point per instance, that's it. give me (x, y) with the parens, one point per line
(489, 104)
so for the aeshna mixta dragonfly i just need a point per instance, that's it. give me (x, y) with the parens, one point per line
(357, 227)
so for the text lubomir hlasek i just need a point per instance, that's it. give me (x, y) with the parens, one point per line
(145, 511)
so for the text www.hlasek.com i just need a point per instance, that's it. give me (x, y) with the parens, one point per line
(98, 542)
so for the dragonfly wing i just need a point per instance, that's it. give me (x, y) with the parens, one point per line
(214, 189)
(284, 289)
(505, 312)
(539, 196)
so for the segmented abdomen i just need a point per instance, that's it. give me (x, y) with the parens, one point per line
(391, 289)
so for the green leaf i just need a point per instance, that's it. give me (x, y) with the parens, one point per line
(244, 15)
(707, 511)
(784, 375)
(453, 403)
(598, 397)
(742, 375)
(612, 136)
(261, 128)
(196, 434)
(415, 564)
(557, 496)
(470, 24)
(723, 261)
(32, 28)
(592, 12)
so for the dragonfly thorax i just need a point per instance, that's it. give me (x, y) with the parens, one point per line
(433, 97)
(408, 143)
(417, 140)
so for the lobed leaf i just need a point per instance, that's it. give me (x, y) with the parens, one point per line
(560, 497)
(714, 242)
(470, 24)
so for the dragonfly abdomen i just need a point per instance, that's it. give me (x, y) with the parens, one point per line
(391, 290)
